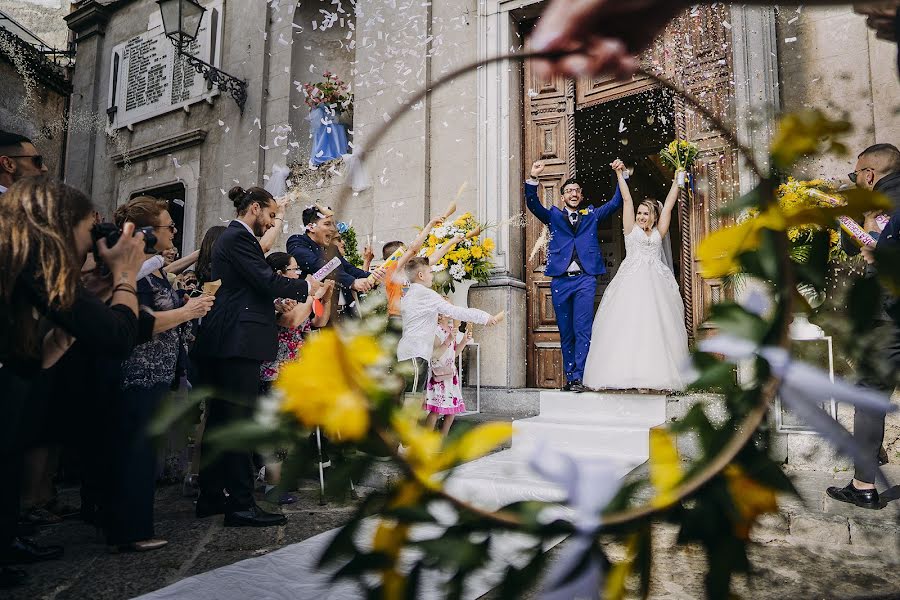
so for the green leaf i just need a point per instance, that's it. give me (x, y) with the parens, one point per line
(643, 560)
(451, 550)
(815, 268)
(362, 563)
(751, 199)
(243, 435)
(342, 543)
(516, 582)
(175, 410)
(735, 319)
(762, 469)
(721, 376)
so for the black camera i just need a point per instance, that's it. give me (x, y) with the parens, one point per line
(111, 233)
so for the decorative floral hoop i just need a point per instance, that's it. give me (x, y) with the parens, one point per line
(755, 417)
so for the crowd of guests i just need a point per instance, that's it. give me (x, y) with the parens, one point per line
(102, 320)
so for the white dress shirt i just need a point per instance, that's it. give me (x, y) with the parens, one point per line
(247, 227)
(419, 310)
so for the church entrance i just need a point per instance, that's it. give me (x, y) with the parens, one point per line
(577, 127)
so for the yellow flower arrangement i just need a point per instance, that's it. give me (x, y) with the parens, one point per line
(795, 211)
(470, 259)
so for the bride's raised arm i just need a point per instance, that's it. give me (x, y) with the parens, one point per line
(665, 217)
(627, 203)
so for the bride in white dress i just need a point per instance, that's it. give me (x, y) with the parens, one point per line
(639, 339)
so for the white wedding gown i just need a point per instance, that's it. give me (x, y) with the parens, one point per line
(638, 338)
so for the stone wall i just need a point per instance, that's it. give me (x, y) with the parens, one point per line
(38, 115)
(44, 18)
(830, 60)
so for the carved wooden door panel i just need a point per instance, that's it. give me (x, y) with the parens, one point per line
(549, 136)
(704, 68)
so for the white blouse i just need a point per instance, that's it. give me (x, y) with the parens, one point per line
(419, 310)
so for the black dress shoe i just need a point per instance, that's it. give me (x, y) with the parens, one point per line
(577, 387)
(253, 517)
(567, 387)
(11, 577)
(206, 508)
(851, 495)
(23, 551)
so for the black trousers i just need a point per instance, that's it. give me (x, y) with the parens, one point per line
(14, 394)
(235, 385)
(868, 427)
(129, 513)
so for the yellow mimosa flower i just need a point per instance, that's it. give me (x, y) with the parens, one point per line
(329, 387)
(750, 498)
(665, 466)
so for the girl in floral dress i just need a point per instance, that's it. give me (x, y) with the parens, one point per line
(295, 320)
(443, 394)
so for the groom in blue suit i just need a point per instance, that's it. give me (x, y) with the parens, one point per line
(574, 261)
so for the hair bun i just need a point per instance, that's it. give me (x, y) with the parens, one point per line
(236, 194)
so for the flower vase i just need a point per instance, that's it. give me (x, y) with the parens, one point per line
(802, 330)
(460, 294)
(328, 135)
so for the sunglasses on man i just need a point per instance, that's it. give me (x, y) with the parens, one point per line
(855, 174)
(36, 159)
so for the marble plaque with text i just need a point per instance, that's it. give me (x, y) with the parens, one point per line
(147, 78)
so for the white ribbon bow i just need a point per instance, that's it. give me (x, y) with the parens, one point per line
(589, 485)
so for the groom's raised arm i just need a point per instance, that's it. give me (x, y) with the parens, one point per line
(532, 201)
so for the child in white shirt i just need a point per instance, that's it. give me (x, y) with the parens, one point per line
(419, 311)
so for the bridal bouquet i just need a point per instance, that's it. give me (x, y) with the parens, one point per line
(332, 91)
(470, 259)
(679, 155)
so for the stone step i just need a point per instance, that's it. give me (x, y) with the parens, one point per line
(606, 407)
(621, 439)
(515, 403)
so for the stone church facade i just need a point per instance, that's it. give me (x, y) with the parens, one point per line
(149, 134)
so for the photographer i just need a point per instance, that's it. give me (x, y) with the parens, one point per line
(45, 236)
(146, 377)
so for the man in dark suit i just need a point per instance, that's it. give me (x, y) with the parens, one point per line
(234, 338)
(878, 169)
(313, 249)
(574, 261)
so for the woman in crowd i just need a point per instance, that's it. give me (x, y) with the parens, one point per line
(46, 237)
(204, 261)
(146, 377)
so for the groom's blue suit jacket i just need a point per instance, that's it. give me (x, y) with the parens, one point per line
(565, 239)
